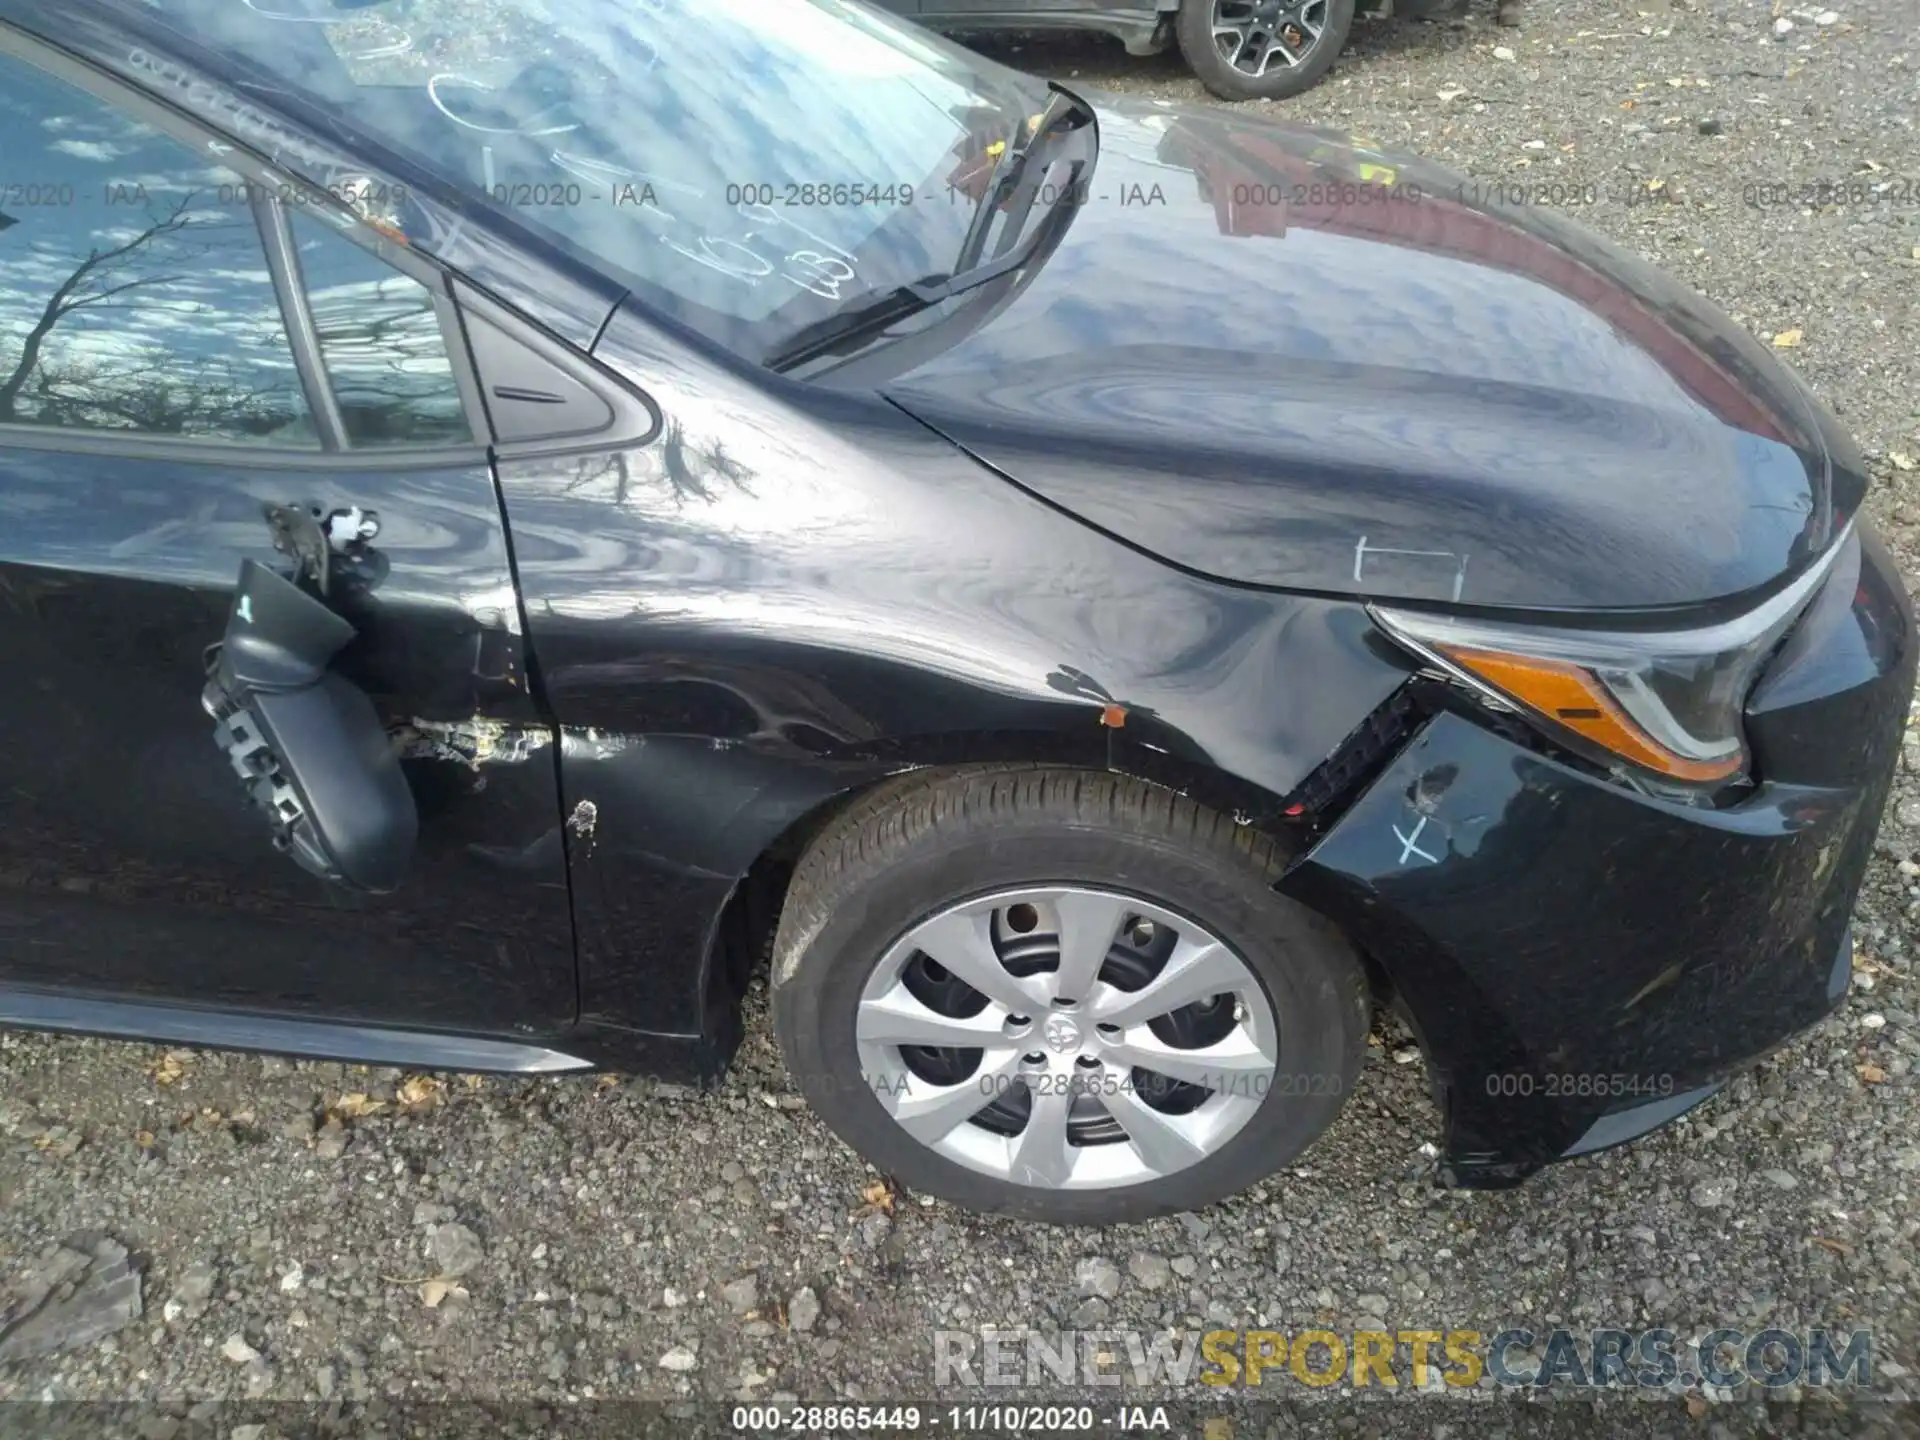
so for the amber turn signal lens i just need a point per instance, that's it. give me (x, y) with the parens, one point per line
(1572, 698)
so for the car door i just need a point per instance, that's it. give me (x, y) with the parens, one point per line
(184, 342)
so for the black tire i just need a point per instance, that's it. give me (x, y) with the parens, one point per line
(1194, 30)
(924, 842)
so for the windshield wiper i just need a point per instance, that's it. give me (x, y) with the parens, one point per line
(845, 328)
(1006, 177)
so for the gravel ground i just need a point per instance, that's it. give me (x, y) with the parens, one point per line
(593, 1238)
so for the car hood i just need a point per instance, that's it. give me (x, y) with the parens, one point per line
(1274, 356)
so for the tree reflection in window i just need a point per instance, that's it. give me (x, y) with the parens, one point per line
(133, 292)
(381, 341)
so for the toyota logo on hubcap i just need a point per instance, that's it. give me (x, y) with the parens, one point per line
(1062, 1033)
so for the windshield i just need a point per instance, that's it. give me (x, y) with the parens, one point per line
(746, 166)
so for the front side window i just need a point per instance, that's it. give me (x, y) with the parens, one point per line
(747, 166)
(380, 344)
(134, 292)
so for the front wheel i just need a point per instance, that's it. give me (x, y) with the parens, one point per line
(1065, 995)
(1262, 49)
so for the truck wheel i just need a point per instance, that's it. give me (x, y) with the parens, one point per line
(1262, 49)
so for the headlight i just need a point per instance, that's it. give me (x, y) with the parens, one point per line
(1666, 702)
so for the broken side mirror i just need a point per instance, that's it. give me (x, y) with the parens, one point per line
(306, 743)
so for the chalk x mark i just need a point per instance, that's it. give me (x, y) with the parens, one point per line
(1409, 844)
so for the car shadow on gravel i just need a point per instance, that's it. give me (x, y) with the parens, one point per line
(1098, 59)
(1427, 39)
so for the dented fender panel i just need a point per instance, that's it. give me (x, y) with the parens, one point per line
(791, 593)
(659, 831)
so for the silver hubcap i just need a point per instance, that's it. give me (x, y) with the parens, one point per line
(1066, 1037)
(1252, 35)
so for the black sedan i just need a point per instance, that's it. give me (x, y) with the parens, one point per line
(509, 528)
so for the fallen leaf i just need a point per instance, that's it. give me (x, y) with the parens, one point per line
(59, 1142)
(418, 1091)
(144, 1139)
(1838, 1247)
(437, 1288)
(1696, 1405)
(170, 1068)
(352, 1107)
(1788, 339)
(879, 1195)
(1873, 1074)
(605, 1083)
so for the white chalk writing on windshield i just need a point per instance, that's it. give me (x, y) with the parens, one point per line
(819, 267)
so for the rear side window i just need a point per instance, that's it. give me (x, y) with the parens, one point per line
(134, 291)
